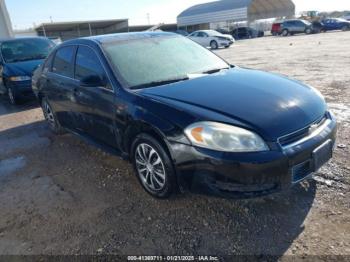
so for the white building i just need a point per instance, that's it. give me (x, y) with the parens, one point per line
(5, 22)
(225, 13)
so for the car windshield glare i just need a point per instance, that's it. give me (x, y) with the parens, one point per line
(159, 60)
(25, 49)
(213, 33)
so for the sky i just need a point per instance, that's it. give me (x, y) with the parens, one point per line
(25, 14)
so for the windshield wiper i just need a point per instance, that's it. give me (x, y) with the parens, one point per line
(23, 59)
(213, 71)
(160, 83)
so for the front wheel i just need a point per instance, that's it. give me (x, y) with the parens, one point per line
(308, 31)
(12, 96)
(214, 45)
(346, 28)
(153, 166)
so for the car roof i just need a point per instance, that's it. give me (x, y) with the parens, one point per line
(2, 40)
(120, 37)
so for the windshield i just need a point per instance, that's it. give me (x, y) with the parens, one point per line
(213, 33)
(146, 62)
(306, 22)
(25, 49)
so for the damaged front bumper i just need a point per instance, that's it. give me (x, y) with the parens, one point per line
(246, 175)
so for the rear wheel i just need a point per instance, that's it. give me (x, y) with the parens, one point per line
(214, 45)
(285, 32)
(50, 118)
(153, 166)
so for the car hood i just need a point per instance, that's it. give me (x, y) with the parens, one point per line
(25, 68)
(271, 104)
(228, 36)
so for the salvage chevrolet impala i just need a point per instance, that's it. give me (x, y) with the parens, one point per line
(185, 118)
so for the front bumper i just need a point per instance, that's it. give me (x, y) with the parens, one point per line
(246, 175)
(22, 89)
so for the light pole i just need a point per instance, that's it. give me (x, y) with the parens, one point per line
(5, 22)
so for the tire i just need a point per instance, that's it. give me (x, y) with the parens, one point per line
(214, 45)
(50, 118)
(13, 98)
(285, 32)
(308, 31)
(153, 166)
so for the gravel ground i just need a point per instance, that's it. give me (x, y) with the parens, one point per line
(59, 195)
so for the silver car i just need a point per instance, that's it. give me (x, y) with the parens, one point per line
(212, 39)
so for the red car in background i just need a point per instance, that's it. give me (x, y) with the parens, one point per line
(276, 29)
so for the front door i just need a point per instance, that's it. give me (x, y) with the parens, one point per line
(95, 104)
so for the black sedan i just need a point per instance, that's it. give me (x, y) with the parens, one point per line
(18, 60)
(184, 117)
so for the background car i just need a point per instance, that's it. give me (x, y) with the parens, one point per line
(297, 26)
(246, 33)
(317, 27)
(276, 28)
(18, 60)
(212, 38)
(336, 24)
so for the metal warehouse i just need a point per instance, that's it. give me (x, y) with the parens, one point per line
(70, 30)
(224, 13)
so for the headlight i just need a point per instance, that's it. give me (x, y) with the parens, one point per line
(226, 138)
(20, 78)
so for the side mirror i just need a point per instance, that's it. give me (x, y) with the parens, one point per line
(93, 81)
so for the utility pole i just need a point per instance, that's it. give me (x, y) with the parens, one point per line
(148, 18)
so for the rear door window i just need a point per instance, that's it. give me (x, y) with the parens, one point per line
(63, 61)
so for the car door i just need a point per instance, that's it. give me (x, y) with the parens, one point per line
(94, 102)
(331, 24)
(60, 85)
(299, 26)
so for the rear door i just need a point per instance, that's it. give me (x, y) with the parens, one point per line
(95, 104)
(60, 83)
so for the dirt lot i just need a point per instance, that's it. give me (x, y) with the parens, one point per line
(59, 195)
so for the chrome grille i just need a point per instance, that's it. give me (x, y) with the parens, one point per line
(300, 134)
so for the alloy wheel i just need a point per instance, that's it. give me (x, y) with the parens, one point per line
(11, 96)
(213, 45)
(50, 118)
(150, 167)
